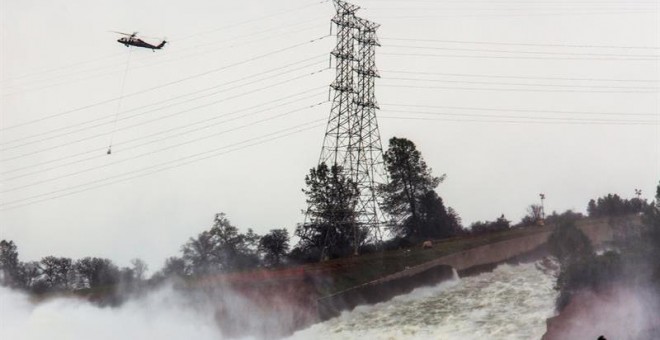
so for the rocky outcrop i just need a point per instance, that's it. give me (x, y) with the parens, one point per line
(615, 312)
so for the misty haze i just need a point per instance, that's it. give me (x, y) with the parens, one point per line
(330, 169)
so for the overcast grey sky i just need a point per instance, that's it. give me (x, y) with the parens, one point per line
(511, 98)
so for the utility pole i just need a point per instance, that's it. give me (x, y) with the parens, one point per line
(542, 207)
(352, 139)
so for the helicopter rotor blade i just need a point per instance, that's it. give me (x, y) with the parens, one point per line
(151, 37)
(126, 34)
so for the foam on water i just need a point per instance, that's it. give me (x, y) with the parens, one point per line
(511, 302)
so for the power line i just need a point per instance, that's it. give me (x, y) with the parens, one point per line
(168, 148)
(232, 46)
(267, 30)
(520, 77)
(503, 11)
(572, 13)
(159, 62)
(524, 117)
(164, 101)
(151, 120)
(509, 89)
(514, 9)
(523, 110)
(97, 150)
(167, 116)
(511, 2)
(154, 169)
(517, 122)
(109, 56)
(259, 19)
(524, 84)
(167, 84)
(97, 155)
(526, 52)
(516, 57)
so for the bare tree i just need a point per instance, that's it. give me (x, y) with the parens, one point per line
(139, 268)
(534, 215)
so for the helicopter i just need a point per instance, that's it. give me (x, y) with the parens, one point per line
(132, 40)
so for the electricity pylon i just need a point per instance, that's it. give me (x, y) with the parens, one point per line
(352, 139)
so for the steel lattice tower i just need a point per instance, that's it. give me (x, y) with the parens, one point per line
(338, 144)
(352, 139)
(368, 168)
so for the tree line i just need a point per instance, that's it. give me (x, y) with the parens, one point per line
(220, 249)
(57, 274)
(417, 213)
(613, 205)
(223, 248)
(409, 198)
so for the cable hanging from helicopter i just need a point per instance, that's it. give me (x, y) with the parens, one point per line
(128, 40)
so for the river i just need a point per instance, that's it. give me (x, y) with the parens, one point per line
(511, 302)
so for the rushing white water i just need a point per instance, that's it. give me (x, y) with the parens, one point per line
(163, 314)
(511, 302)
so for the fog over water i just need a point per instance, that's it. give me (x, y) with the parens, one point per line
(511, 302)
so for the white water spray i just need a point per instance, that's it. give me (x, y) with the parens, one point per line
(511, 302)
(163, 314)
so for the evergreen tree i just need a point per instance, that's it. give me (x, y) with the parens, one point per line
(409, 197)
(10, 268)
(331, 198)
(651, 220)
(614, 205)
(435, 220)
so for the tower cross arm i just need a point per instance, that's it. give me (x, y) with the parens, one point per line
(343, 6)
